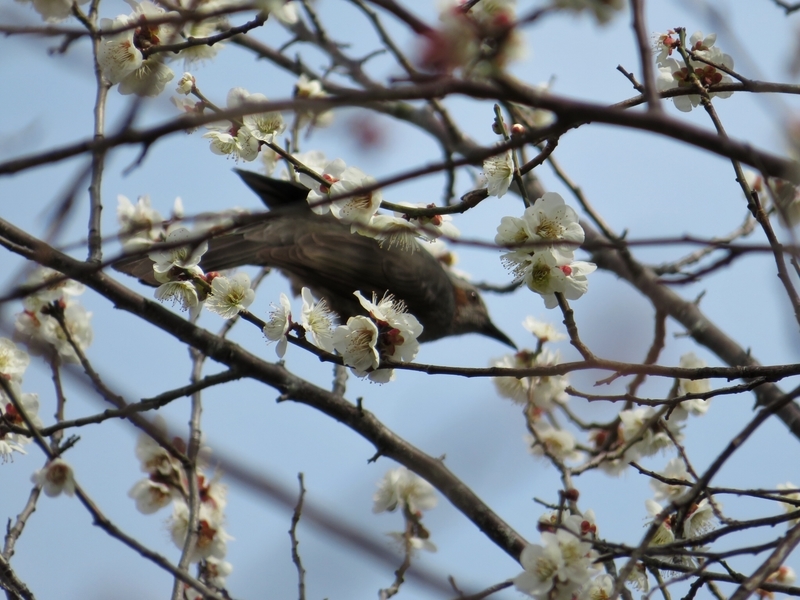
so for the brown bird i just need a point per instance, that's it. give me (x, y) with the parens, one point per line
(320, 252)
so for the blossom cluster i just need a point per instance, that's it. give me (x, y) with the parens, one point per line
(13, 363)
(401, 489)
(783, 194)
(687, 74)
(243, 138)
(39, 328)
(476, 42)
(538, 394)
(177, 266)
(339, 196)
(124, 54)
(539, 391)
(645, 431)
(317, 320)
(562, 565)
(389, 332)
(541, 246)
(166, 483)
(250, 136)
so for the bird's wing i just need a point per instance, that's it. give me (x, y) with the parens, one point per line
(335, 264)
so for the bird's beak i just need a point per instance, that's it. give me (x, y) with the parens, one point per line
(491, 330)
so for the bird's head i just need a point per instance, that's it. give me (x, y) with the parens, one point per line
(471, 315)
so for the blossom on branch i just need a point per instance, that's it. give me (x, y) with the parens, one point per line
(29, 403)
(318, 320)
(677, 74)
(38, 326)
(499, 171)
(357, 208)
(120, 54)
(560, 566)
(401, 488)
(13, 361)
(230, 296)
(55, 478)
(276, 329)
(53, 10)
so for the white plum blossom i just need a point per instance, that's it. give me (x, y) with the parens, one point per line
(540, 391)
(53, 10)
(430, 228)
(139, 224)
(182, 293)
(356, 341)
(414, 542)
(397, 332)
(401, 230)
(212, 540)
(54, 286)
(664, 45)
(55, 478)
(390, 333)
(401, 488)
(217, 571)
(544, 332)
(230, 296)
(316, 161)
(541, 564)
(599, 588)
(285, 12)
(664, 534)
(638, 578)
(29, 403)
(795, 496)
(653, 438)
(280, 321)
(560, 566)
(263, 126)
(549, 441)
(543, 274)
(318, 193)
(499, 171)
(698, 406)
(117, 54)
(201, 28)
(148, 80)
(318, 320)
(357, 208)
(186, 83)
(177, 257)
(311, 88)
(693, 386)
(673, 73)
(36, 328)
(390, 231)
(13, 361)
(241, 140)
(548, 221)
(150, 496)
(120, 54)
(699, 519)
(675, 469)
(783, 575)
(552, 230)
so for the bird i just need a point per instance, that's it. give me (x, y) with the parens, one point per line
(321, 253)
